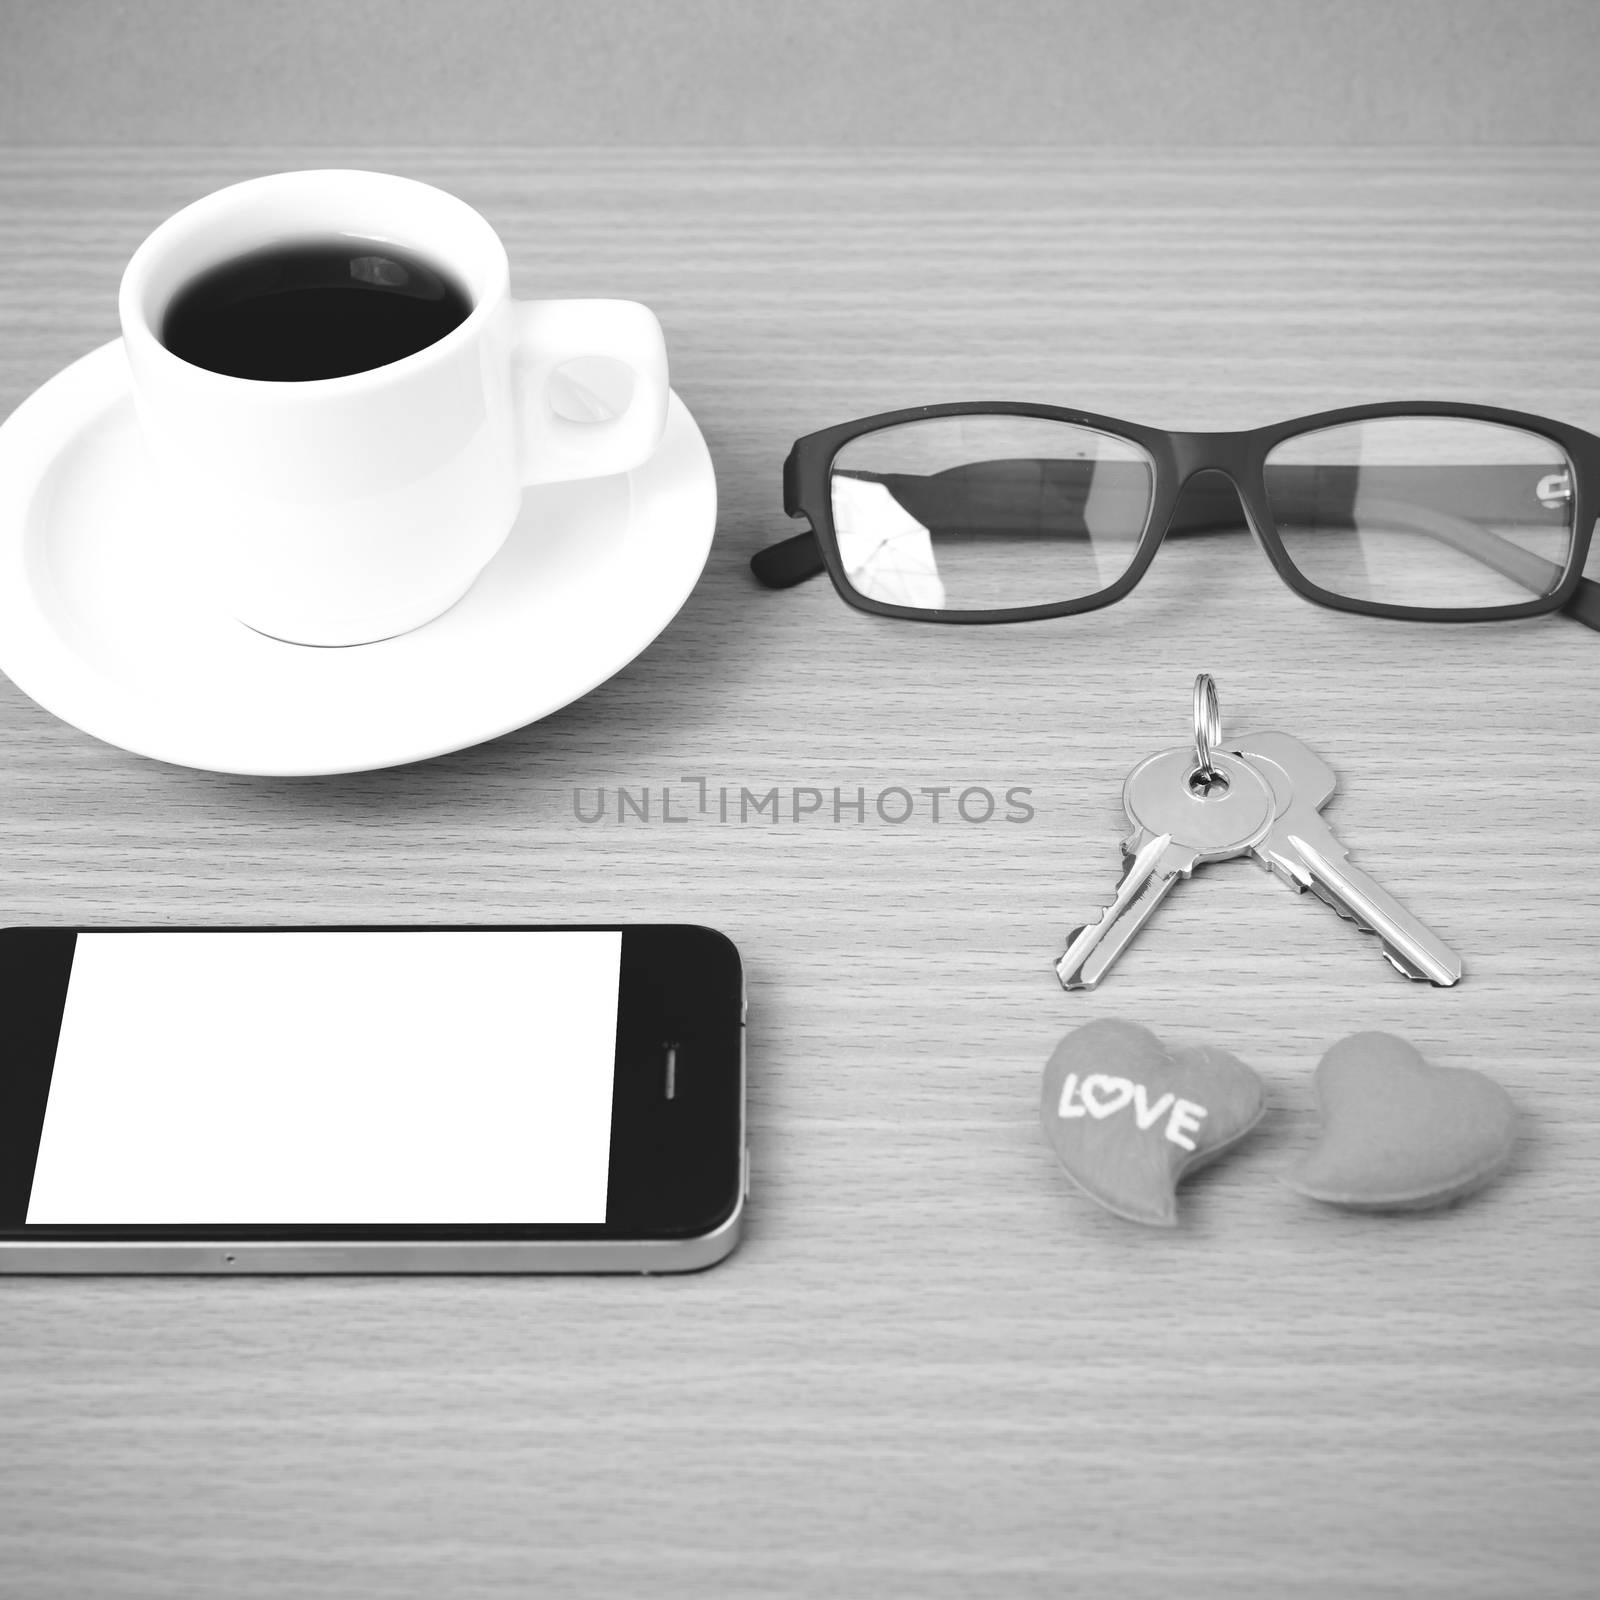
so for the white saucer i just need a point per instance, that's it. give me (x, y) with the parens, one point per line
(102, 624)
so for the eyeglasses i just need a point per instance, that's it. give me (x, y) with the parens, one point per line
(1004, 513)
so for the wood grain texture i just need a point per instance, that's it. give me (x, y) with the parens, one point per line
(835, 73)
(932, 1368)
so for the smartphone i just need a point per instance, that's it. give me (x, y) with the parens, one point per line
(442, 1099)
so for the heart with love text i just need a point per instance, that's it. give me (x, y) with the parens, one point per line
(1128, 1118)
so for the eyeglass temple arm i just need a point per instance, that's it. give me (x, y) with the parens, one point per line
(1210, 505)
(1534, 572)
(1585, 604)
(791, 561)
(795, 560)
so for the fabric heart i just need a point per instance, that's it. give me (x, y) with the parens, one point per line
(1399, 1134)
(1128, 1118)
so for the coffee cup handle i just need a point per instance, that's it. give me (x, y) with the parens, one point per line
(558, 445)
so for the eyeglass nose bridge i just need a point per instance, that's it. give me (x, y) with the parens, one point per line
(1214, 475)
(1228, 453)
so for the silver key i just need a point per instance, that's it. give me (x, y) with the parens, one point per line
(1301, 849)
(1175, 829)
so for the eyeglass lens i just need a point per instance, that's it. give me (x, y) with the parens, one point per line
(988, 513)
(1437, 512)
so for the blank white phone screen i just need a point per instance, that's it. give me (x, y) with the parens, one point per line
(327, 1078)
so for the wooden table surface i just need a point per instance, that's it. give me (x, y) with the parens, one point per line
(932, 1368)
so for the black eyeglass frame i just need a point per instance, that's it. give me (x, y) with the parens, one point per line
(1177, 458)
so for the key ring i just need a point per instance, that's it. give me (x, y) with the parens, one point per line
(1207, 726)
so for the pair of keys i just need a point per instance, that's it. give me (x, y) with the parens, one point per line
(1263, 797)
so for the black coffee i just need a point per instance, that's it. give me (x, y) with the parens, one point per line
(314, 308)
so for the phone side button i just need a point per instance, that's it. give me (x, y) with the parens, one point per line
(747, 1172)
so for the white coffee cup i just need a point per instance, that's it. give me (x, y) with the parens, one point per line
(344, 510)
